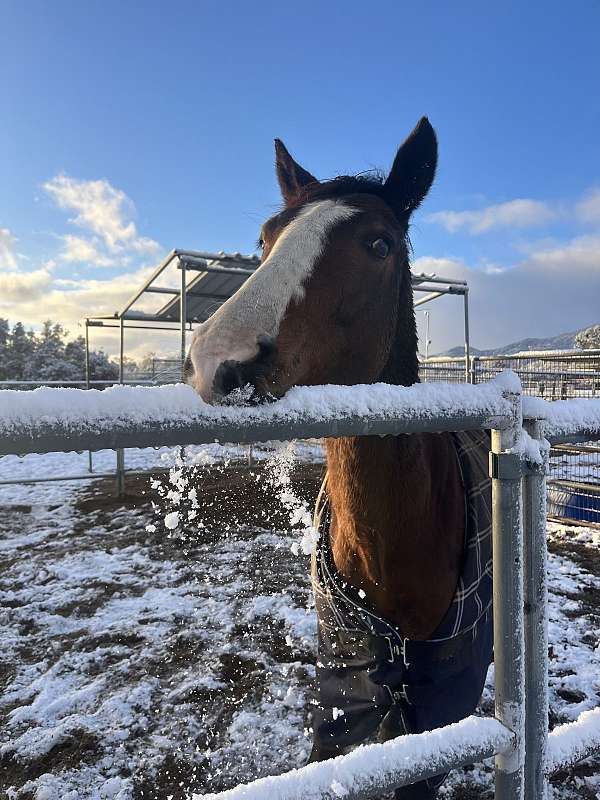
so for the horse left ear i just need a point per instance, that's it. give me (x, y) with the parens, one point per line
(413, 170)
(291, 176)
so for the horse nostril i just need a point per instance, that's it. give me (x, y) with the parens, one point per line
(266, 348)
(229, 376)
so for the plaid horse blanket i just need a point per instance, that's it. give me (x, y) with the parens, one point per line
(371, 679)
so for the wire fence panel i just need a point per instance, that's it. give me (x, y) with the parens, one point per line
(551, 374)
(445, 370)
(574, 471)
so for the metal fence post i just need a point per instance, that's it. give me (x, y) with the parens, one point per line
(120, 473)
(467, 335)
(473, 370)
(87, 379)
(536, 624)
(505, 471)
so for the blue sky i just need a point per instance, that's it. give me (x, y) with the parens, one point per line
(132, 128)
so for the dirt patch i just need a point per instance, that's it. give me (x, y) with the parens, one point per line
(175, 778)
(584, 556)
(77, 747)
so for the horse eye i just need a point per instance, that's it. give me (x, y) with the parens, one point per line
(381, 248)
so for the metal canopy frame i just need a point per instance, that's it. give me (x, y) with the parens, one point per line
(217, 276)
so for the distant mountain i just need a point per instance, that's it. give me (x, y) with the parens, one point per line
(564, 341)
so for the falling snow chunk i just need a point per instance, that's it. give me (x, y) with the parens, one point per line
(172, 520)
(310, 537)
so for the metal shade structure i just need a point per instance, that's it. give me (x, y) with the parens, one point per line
(205, 281)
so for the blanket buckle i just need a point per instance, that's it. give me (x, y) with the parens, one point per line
(395, 649)
(398, 695)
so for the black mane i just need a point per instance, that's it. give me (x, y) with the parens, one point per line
(367, 183)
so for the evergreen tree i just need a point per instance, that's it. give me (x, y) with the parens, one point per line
(589, 338)
(101, 369)
(75, 355)
(20, 354)
(49, 362)
(48, 357)
(4, 348)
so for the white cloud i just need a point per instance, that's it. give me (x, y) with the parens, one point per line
(8, 259)
(108, 238)
(588, 209)
(551, 291)
(33, 297)
(77, 249)
(18, 287)
(520, 213)
(580, 252)
(104, 212)
(67, 301)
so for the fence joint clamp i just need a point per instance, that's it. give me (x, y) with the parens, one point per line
(506, 466)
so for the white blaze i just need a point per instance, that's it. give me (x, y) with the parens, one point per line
(259, 306)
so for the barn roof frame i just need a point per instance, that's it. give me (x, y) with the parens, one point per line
(216, 277)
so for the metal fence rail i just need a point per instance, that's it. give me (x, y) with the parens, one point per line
(519, 556)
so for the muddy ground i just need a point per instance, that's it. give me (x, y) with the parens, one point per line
(150, 664)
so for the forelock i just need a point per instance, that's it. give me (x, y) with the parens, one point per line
(370, 183)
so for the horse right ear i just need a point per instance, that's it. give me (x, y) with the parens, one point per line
(291, 176)
(413, 170)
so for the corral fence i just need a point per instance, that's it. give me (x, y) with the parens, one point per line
(574, 471)
(518, 734)
(549, 374)
(162, 371)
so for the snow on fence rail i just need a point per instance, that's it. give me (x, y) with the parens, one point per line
(59, 420)
(47, 420)
(371, 769)
(565, 420)
(574, 741)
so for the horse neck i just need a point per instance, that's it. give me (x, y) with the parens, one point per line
(398, 510)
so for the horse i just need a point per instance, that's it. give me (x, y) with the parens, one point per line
(404, 633)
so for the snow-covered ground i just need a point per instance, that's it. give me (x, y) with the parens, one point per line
(145, 661)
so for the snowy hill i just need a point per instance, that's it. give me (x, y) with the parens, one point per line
(563, 341)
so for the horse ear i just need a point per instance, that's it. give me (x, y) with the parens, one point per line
(291, 176)
(413, 170)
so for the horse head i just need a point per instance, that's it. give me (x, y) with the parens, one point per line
(331, 301)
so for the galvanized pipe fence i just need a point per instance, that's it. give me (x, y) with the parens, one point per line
(549, 374)
(518, 736)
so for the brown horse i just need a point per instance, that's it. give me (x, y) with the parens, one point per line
(332, 303)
